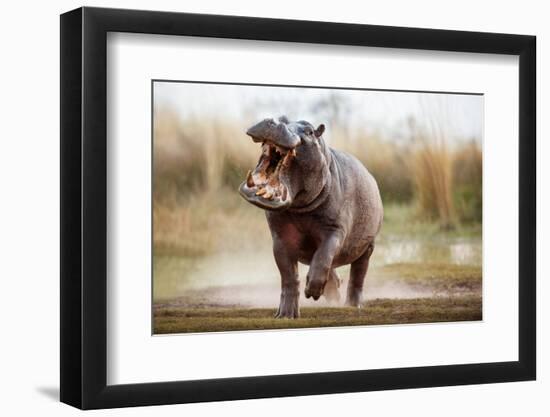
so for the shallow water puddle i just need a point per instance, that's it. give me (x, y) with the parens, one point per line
(252, 278)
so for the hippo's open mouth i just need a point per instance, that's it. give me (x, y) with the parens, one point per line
(265, 187)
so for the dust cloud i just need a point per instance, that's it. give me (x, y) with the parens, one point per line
(251, 279)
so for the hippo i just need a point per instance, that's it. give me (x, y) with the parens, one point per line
(323, 209)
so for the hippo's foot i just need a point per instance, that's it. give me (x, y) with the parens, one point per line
(288, 307)
(354, 298)
(332, 291)
(314, 288)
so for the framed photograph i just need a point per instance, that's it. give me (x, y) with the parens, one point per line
(256, 208)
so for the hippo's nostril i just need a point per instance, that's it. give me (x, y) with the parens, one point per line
(283, 196)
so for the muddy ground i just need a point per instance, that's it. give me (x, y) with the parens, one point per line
(400, 293)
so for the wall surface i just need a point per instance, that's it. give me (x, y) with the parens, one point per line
(29, 225)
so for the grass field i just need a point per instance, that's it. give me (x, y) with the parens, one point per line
(379, 311)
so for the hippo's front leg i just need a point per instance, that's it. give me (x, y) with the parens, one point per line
(321, 265)
(290, 293)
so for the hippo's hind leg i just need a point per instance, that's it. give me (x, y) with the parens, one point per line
(332, 288)
(357, 275)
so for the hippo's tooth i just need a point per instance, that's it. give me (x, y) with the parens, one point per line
(277, 169)
(268, 195)
(261, 191)
(288, 156)
(249, 179)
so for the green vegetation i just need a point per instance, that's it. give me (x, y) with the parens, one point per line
(385, 311)
(403, 221)
(467, 178)
(437, 278)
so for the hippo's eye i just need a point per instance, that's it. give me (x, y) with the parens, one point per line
(308, 131)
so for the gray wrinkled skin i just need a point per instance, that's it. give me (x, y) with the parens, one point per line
(323, 209)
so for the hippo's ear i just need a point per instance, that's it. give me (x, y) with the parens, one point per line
(320, 130)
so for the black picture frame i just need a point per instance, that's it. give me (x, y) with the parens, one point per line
(84, 207)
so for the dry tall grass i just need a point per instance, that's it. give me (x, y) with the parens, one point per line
(198, 165)
(388, 162)
(198, 155)
(432, 171)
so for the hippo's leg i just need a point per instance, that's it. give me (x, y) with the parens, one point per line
(357, 278)
(321, 265)
(290, 293)
(332, 288)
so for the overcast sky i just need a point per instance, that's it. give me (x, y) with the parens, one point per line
(461, 116)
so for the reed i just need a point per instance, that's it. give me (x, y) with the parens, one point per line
(432, 172)
(198, 165)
